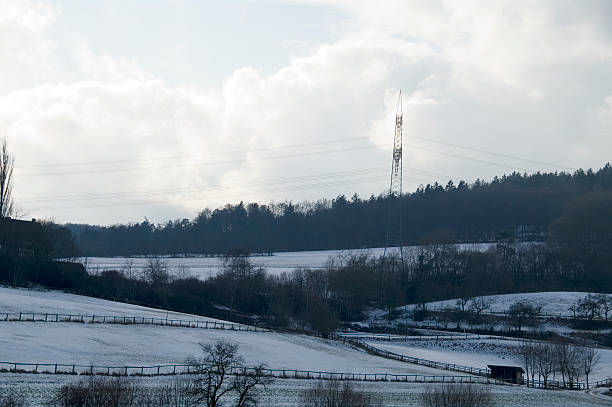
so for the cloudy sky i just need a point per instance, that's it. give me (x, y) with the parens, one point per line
(118, 110)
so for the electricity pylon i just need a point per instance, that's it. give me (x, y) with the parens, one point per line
(394, 217)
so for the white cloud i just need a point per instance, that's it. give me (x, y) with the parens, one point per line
(528, 81)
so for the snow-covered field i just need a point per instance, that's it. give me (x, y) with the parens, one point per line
(286, 392)
(205, 267)
(120, 345)
(52, 302)
(99, 344)
(478, 353)
(555, 303)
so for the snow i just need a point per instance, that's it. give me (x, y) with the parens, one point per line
(119, 345)
(551, 303)
(281, 262)
(478, 353)
(286, 392)
(22, 300)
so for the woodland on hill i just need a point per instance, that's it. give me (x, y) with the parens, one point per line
(516, 207)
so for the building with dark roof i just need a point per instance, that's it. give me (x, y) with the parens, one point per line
(512, 374)
(20, 237)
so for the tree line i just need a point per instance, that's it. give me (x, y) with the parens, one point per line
(518, 206)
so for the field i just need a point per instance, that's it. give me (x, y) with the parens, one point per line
(137, 345)
(286, 392)
(477, 353)
(556, 303)
(281, 262)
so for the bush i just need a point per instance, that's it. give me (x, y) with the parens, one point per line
(335, 393)
(462, 395)
(96, 392)
(10, 399)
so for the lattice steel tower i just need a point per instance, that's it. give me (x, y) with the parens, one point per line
(394, 218)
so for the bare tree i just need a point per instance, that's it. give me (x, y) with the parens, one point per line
(220, 374)
(7, 163)
(530, 361)
(590, 359)
(481, 304)
(589, 306)
(545, 361)
(605, 303)
(523, 314)
(156, 271)
(129, 269)
(462, 301)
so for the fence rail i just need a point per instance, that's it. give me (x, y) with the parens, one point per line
(124, 320)
(418, 361)
(411, 338)
(550, 384)
(175, 369)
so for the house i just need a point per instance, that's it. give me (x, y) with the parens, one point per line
(512, 374)
(20, 237)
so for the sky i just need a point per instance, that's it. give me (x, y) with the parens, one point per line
(119, 111)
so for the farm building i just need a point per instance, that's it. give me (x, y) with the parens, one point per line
(512, 374)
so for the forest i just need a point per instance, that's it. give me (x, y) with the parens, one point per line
(518, 207)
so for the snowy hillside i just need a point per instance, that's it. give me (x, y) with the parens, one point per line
(551, 303)
(478, 353)
(21, 300)
(205, 267)
(140, 344)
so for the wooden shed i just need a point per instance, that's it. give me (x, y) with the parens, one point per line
(512, 374)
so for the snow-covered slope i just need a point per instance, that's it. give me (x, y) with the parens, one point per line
(119, 345)
(551, 303)
(478, 353)
(22, 300)
(205, 267)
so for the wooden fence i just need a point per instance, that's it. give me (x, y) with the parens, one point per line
(175, 369)
(125, 320)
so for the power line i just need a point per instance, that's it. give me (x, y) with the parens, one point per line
(274, 181)
(233, 161)
(314, 143)
(491, 152)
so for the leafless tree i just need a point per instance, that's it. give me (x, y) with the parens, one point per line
(545, 357)
(220, 374)
(7, 163)
(590, 358)
(605, 303)
(128, 269)
(462, 302)
(589, 306)
(182, 271)
(156, 271)
(530, 362)
(454, 395)
(481, 304)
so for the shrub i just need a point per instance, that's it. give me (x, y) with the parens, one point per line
(96, 392)
(335, 393)
(10, 399)
(462, 395)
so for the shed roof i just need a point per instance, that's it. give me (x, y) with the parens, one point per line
(517, 368)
